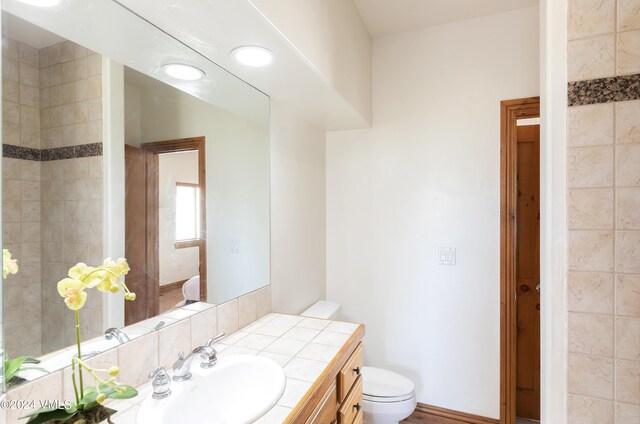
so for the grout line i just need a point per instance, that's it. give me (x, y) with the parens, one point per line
(615, 223)
(615, 46)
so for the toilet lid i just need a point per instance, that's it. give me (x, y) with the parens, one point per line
(380, 383)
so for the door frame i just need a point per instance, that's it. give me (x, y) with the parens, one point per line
(510, 112)
(186, 145)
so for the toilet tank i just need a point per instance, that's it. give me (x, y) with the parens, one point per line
(323, 309)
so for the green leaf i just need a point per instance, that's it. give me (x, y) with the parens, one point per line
(44, 415)
(127, 393)
(124, 392)
(12, 366)
(15, 365)
(89, 399)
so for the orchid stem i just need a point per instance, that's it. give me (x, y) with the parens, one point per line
(73, 379)
(79, 353)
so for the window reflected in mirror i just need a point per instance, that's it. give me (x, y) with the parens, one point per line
(187, 217)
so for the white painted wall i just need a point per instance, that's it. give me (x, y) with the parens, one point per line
(297, 212)
(331, 36)
(427, 175)
(237, 167)
(553, 211)
(175, 264)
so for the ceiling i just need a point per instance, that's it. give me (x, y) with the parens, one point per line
(31, 35)
(386, 17)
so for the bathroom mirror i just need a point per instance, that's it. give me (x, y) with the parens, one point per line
(105, 154)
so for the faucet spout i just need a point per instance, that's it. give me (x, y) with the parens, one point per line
(120, 335)
(207, 354)
(182, 367)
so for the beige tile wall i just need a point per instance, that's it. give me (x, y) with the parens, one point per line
(52, 209)
(71, 95)
(604, 38)
(21, 198)
(72, 232)
(604, 220)
(71, 114)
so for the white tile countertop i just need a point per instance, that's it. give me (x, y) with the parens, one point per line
(304, 347)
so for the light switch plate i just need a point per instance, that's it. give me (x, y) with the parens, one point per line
(446, 255)
(235, 246)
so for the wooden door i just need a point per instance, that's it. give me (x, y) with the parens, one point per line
(141, 229)
(528, 272)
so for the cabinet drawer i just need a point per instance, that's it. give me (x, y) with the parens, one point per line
(359, 418)
(327, 410)
(352, 404)
(350, 372)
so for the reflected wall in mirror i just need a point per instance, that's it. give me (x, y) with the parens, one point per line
(192, 215)
(52, 182)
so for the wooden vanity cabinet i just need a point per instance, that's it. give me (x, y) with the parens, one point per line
(359, 418)
(327, 409)
(349, 373)
(336, 397)
(352, 404)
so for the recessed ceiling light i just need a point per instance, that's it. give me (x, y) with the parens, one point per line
(41, 3)
(183, 72)
(252, 55)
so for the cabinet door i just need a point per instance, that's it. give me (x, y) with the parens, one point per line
(327, 410)
(350, 372)
(352, 404)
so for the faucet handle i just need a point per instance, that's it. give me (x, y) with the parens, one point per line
(208, 353)
(212, 340)
(161, 383)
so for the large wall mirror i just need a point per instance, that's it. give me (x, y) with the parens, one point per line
(112, 149)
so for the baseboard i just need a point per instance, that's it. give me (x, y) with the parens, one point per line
(166, 288)
(428, 414)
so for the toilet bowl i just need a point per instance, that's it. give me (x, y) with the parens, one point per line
(387, 397)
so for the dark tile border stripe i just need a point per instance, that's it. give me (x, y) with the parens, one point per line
(58, 153)
(19, 152)
(604, 90)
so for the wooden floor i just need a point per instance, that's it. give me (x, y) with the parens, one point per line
(439, 420)
(429, 420)
(169, 299)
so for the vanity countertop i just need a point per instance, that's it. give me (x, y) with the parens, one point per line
(304, 347)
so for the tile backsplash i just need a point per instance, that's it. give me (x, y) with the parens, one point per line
(185, 329)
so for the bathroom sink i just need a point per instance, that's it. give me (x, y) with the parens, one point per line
(238, 390)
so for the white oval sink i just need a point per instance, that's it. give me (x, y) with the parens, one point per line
(238, 390)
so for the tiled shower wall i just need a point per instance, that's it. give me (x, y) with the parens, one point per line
(21, 198)
(71, 128)
(52, 135)
(604, 212)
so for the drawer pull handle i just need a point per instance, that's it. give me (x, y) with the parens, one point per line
(357, 407)
(357, 370)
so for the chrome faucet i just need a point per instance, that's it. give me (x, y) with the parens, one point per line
(117, 333)
(207, 354)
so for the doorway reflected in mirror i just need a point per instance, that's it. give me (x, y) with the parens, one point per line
(165, 231)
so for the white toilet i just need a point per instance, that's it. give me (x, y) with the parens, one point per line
(387, 397)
